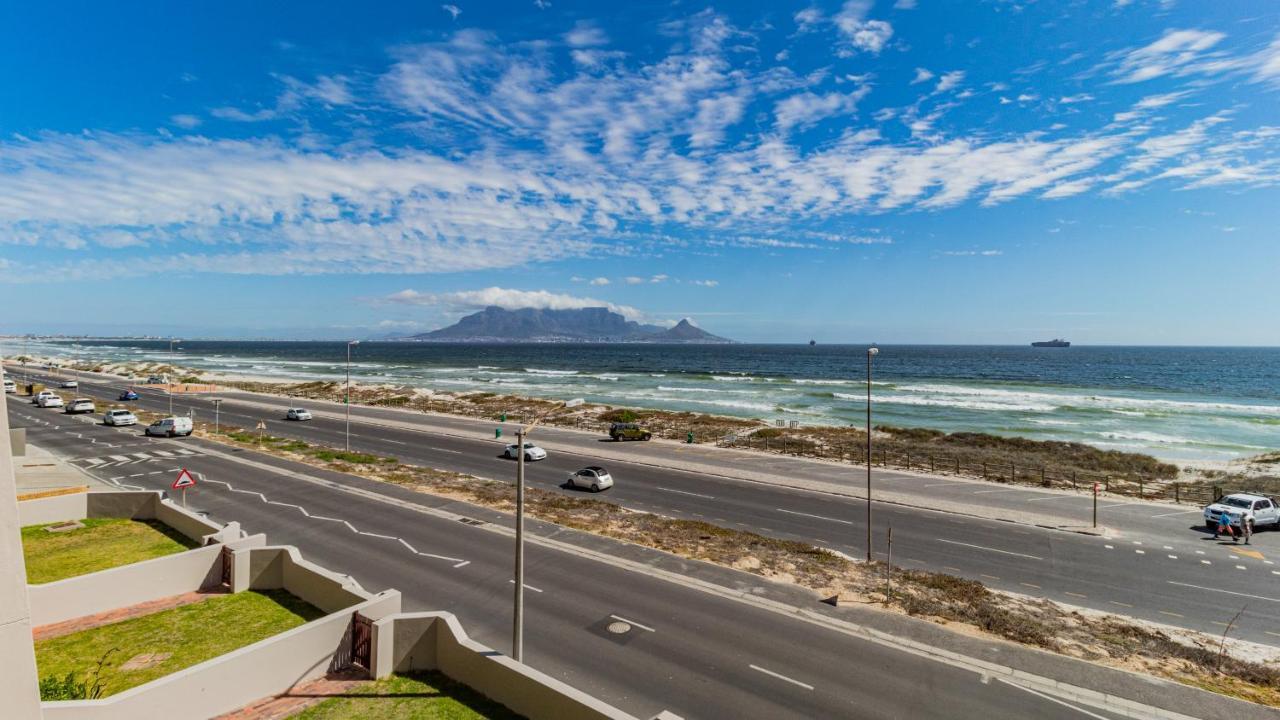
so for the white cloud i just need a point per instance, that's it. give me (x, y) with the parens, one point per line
(949, 81)
(658, 278)
(922, 75)
(508, 299)
(600, 281)
(633, 280)
(905, 5)
(1073, 99)
(807, 108)
(808, 18)
(706, 283)
(1173, 53)
(586, 34)
(185, 121)
(973, 253)
(867, 35)
(453, 10)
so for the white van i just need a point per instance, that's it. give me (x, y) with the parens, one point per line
(170, 427)
(9, 386)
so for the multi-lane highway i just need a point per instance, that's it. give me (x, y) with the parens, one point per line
(699, 653)
(1157, 567)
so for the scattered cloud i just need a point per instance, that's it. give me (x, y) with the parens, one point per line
(1073, 99)
(807, 108)
(659, 278)
(509, 299)
(586, 34)
(1175, 52)
(949, 81)
(600, 281)
(973, 253)
(922, 75)
(863, 34)
(633, 280)
(453, 10)
(185, 121)
(706, 283)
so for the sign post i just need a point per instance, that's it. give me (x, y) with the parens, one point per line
(1095, 505)
(262, 425)
(182, 482)
(217, 406)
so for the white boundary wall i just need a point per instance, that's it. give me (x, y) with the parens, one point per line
(135, 505)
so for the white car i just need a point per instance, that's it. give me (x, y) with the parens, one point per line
(170, 427)
(594, 478)
(81, 405)
(10, 387)
(1258, 509)
(70, 384)
(297, 414)
(531, 452)
(41, 395)
(50, 400)
(119, 417)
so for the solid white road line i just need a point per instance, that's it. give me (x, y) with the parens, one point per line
(629, 622)
(685, 492)
(771, 673)
(1057, 497)
(1180, 512)
(527, 586)
(1228, 592)
(990, 549)
(1002, 490)
(816, 517)
(1051, 698)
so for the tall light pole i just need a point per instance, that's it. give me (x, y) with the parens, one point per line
(517, 615)
(217, 407)
(171, 342)
(347, 400)
(871, 352)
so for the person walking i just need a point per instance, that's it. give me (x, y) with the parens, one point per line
(1246, 528)
(1224, 525)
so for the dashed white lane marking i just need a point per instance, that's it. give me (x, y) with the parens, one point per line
(395, 442)
(990, 549)
(1180, 512)
(818, 517)
(1199, 552)
(458, 562)
(1271, 633)
(633, 623)
(1228, 592)
(1109, 547)
(1037, 587)
(527, 586)
(1072, 594)
(685, 492)
(1141, 552)
(1121, 604)
(771, 673)
(1051, 698)
(1057, 497)
(1170, 614)
(1241, 567)
(445, 450)
(1173, 557)
(1205, 562)
(1137, 542)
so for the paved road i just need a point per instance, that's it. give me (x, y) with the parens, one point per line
(700, 655)
(1167, 572)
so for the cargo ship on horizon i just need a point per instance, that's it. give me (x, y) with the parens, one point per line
(1056, 342)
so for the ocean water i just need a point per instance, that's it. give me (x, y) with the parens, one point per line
(1173, 402)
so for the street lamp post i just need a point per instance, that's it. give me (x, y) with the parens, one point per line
(517, 615)
(871, 352)
(217, 406)
(171, 342)
(347, 400)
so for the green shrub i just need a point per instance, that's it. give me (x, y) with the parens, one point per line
(621, 415)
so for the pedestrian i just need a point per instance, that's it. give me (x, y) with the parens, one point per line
(1246, 528)
(1224, 525)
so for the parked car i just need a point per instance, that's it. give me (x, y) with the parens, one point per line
(1257, 509)
(170, 427)
(40, 395)
(119, 417)
(49, 401)
(127, 396)
(594, 478)
(10, 386)
(81, 405)
(628, 431)
(298, 414)
(155, 380)
(69, 384)
(531, 452)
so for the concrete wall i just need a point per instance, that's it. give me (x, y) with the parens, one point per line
(18, 441)
(136, 505)
(436, 641)
(229, 682)
(19, 686)
(139, 582)
(269, 568)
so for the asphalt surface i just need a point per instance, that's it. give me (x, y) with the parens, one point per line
(697, 654)
(1167, 570)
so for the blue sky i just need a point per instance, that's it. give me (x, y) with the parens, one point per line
(956, 172)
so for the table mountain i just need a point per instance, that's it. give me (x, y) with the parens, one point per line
(593, 324)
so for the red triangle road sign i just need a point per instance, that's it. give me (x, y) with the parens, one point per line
(185, 480)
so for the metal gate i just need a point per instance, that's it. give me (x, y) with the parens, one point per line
(361, 640)
(227, 561)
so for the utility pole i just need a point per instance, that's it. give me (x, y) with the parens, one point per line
(171, 342)
(347, 401)
(871, 352)
(217, 406)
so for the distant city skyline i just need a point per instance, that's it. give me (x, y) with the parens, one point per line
(896, 172)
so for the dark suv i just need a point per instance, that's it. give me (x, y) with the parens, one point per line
(628, 431)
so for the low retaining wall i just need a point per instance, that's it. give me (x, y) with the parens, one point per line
(283, 567)
(436, 641)
(232, 681)
(135, 505)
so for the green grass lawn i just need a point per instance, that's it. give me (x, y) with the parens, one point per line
(192, 633)
(424, 696)
(102, 543)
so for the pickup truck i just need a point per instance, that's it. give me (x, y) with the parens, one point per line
(1260, 510)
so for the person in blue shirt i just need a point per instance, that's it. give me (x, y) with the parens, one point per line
(1224, 522)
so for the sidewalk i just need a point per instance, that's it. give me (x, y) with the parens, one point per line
(41, 471)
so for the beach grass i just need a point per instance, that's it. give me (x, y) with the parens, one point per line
(416, 696)
(101, 544)
(179, 637)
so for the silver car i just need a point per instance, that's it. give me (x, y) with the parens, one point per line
(119, 417)
(594, 478)
(297, 414)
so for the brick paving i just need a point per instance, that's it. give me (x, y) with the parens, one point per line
(300, 698)
(53, 630)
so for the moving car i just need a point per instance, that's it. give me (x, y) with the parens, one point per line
(128, 395)
(119, 417)
(594, 478)
(1257, 509)
(155, 380)
(81, 405)
(42, 394)
(628, 431)
(531, 452)
(50, 400)
(69, 384)
(170, 427)
(298, 414)
(10, 386)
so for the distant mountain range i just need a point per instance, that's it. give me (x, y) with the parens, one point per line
(594, 324)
